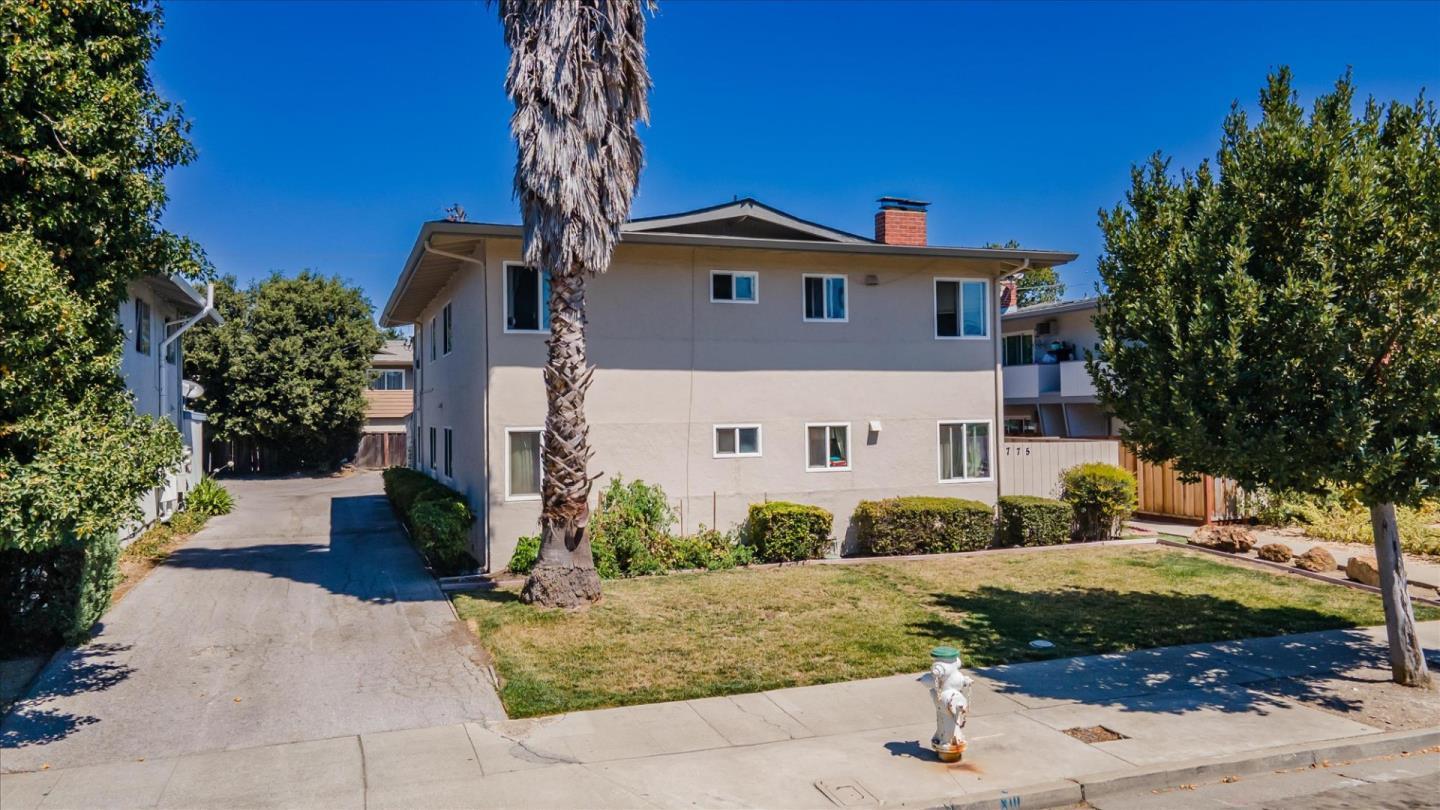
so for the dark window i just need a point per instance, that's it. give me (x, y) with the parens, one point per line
(431, 456)
(825, 298)
(449, 331)
(527, 293)
(722, 287)
(142, 326)
(434, 338)
(172, 349)
(449, 453)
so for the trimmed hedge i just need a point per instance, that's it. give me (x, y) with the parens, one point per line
(923, 525)
(55, 596)
(779, 531)
(1026, 520)
(1102, 495)
(437, 516)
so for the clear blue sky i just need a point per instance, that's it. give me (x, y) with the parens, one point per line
(327, 132)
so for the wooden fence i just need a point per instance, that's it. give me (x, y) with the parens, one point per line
(1162, 492)
(1033, 466)
(380, 450)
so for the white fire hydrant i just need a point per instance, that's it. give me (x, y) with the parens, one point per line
(950, 689)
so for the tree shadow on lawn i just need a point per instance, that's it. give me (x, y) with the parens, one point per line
(88, 668)
(1113, 631)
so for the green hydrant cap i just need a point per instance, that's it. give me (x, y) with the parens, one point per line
(945, 653)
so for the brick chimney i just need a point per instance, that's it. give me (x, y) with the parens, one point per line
(1009, 294)
(900, 221)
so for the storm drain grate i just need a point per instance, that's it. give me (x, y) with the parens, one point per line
(1095, 734)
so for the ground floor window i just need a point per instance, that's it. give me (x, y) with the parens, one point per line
(430, 456)
(827, 446)
(449, 453)
(737, 440)
(964, 451)
(523, 470)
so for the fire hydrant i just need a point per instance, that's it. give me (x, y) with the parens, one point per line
(950, 689)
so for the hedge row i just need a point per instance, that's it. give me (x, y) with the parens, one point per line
(437, 516)
(55, 596)
(1026, 520)
(923, 525)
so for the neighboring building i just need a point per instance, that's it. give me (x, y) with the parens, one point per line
(1048, 392)
(388, 403)
(156, 313)
(741, 354)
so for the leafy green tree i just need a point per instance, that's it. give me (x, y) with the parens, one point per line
(1276, 318)
(289, 367)
(1037, 285)
(85, 143)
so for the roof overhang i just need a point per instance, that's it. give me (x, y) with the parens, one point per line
(1046, 310)
(426, 272)
(180, 294)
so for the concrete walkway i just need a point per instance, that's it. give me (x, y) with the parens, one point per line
(845, 744)
(302, 615)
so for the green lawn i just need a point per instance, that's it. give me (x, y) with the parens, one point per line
(696, 635)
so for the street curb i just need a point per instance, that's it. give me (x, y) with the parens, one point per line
(1266, 759)
(1066, 792)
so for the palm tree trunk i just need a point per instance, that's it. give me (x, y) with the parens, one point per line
(1407, 658)
(565, 575)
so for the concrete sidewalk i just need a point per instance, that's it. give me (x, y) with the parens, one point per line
(845, 744)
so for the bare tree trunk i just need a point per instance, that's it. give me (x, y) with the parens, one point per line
(565, 575)
(1407, 657)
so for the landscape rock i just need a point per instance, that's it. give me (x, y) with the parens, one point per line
(1274, 552)
(1364, 570)
(1234, 539)
(1316, 559)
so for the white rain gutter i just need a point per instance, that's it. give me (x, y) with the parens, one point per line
(185, 325)
(169, 339)
(447, 254)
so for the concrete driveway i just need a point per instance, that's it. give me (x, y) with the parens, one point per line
(302, 615)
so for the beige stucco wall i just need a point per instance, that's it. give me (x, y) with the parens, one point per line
(671, 365)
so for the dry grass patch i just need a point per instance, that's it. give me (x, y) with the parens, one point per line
(697, 635)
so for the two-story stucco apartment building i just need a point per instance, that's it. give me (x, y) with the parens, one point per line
(741, 354)
(154, 316)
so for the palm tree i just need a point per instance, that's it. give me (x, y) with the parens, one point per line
(578, 79)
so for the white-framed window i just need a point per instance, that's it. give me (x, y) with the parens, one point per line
(825, 298)
(962, 309)
(527, 299)
(965, 451)
(430, 457)
(1019, 349)
(449, 325)
(827, 446)
(142, 326)
(737, 441)
(523, 471)
(392, 379)
(449, 453)
(434, 336)
(734, 287)
(172, 349)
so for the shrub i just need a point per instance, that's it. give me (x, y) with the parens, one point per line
(441, 528)
(1026, 520)
(709, 549)
(188, 521)
(922, 525)
(633, 523)
(784, 532)
(438, 517)
(209, 498)
(1102, 495)
(56, 595)
(526, 554)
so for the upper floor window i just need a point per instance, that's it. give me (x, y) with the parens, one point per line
(737, 440)
(389, 380)
(827, 447)
(434, 337)
(172, 349)
(1020, 349)
(417, 349)
(732, 287)
(961, 308)
(825, 298)
(447, 337)
(142, 326)
(527, 296)
(964, 451)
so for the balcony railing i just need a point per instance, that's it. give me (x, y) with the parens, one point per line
(1068, 379)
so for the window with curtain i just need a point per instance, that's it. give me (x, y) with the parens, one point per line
(827, 447)
(825, 298)
(527, 296)
(737, 440)
(389, 380)
(961, 309)
(964, 451)
(524, 461)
